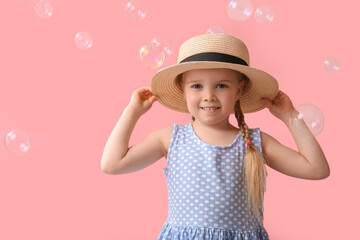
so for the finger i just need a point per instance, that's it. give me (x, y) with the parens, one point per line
(152, 99)
(148, 92)
(281, 93)
(145, 93)
(143, 89)
(280, 97)
(267, 102)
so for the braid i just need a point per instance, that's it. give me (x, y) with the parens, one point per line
(241, 121)
(254, 168)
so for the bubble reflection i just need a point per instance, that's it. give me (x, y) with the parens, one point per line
(136, 10)
(240, 10)
(151, 57)
(83, 40)
(17, 141)
(43, 9)
(163, 43)
(215, 29)
(312, 116)
(331, 65)
(264, 15)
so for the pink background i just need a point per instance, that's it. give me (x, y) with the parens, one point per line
(68, 101)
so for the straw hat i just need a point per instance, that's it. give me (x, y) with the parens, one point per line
(211, 51)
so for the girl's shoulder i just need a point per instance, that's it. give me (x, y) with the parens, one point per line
(264, 137)
(268, 142)
(164, 135)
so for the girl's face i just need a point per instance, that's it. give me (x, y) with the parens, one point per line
(210, 94)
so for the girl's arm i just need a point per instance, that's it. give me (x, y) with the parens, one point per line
(117, 157)
(309, 162)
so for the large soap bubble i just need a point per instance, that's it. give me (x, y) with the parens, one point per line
(17, 141)
(43, 9)
(163, 43)
(136, 10)
(240, 10)
(264, 15)
(151, 57)
(83, 40)
(331, 65)
(312, 116)
(215, 29)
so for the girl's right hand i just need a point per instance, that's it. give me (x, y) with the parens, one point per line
(142, 99)
(281, 107)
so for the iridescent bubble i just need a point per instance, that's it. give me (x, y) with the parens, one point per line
(264, 15)
(136, 10)
(312, 116)
(163, 43)
(215, 29)
(17, 141)
(151, 57)
(240, 10)
(331, 65)
(43, 9)
(83, 40)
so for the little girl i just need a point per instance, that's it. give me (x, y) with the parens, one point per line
(215, 172)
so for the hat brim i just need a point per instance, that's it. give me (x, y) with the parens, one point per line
(261, 84)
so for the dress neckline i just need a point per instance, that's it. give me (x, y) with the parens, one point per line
(212, 145)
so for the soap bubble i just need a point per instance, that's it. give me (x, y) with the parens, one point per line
(83, 40)
(151, 57)
(264, 15)
(163, 43)
(43, 9)
(17, 141)
(136, 10)
(331, 65)
(215, 29)
(240, 10)
(312, 116)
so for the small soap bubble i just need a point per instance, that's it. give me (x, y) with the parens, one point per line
(163, 43)
(136, 10)
(215, 29)
(331, 65)
(151, 57)
(43, 9)
(240, 10)
(312, 116)
(17, 141)
(83, 40)
(264, 15)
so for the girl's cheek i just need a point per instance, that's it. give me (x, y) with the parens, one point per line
(190, 99)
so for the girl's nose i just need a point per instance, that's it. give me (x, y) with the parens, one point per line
(209, 96)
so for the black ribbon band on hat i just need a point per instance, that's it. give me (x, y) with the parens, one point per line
(214, 57)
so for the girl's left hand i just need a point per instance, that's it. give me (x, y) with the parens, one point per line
(281, 107)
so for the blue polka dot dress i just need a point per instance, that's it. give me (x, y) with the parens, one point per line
(206, 190)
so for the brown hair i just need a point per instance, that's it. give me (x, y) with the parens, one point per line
(254, 163)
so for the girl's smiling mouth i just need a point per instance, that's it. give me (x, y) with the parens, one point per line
(210, 108)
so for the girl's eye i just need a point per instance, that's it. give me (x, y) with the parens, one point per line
(221, 85)
(196, 86)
